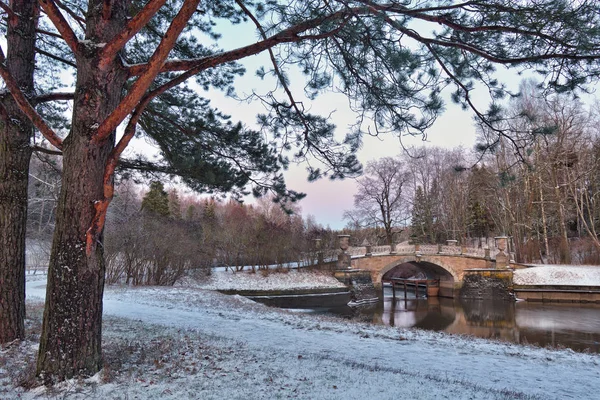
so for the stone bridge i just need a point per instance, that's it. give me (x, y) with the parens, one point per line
(446, 263)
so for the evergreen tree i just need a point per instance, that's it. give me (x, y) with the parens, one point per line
(190, 213)
(479, 220)
(383, 55)
(422, 220)
(156, 201)
(174, 205)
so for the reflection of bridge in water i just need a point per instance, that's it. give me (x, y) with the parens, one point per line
(446, 264)
(576, 326)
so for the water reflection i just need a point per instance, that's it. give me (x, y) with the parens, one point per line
(576, 326)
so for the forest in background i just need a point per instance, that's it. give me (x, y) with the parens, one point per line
(533, 176)
(539, 185)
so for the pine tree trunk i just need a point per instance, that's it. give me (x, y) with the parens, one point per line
(15, 153)
(70, 344)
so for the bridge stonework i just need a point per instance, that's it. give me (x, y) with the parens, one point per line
(449, 268)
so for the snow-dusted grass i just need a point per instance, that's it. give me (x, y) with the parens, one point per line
(265, 280)
(576, 275)
(190, 343)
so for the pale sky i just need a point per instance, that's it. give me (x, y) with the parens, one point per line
(327, 200)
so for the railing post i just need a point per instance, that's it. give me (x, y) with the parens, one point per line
(344, 259)
(439, 249)
(367, 245)
(319, 252)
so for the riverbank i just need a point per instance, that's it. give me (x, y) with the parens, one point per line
(184, 342)
(286, 279)
(559, 275)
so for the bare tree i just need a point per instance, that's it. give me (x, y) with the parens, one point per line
(381, 199)
(392, 68)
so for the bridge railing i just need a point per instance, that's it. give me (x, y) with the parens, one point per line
(357, 251)
(405, 249)
(424, 249)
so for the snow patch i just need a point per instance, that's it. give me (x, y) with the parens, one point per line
(576, 275)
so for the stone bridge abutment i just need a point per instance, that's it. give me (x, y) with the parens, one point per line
(449, 269)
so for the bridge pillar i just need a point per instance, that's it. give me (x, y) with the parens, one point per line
(502, 259)
(344, 259)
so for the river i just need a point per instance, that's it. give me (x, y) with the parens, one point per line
(570, 325)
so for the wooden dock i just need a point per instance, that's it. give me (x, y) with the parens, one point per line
(431, 286)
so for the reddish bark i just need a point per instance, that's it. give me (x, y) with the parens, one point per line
(141, 85)
(60, 23)
(132, 27)
(71, 333)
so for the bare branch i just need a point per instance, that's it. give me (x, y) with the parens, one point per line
(25, 106)
(57, 96)
(54, 57)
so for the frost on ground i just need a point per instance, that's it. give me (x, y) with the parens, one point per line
(174, 343)
(265, 280)
(575, 275)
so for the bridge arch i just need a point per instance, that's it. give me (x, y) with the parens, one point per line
(431, 269)
(449, 268)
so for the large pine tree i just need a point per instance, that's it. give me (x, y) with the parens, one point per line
(390, 58)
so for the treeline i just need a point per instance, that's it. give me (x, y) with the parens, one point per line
(534, 176)
(158, 237)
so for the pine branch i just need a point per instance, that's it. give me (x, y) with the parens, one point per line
(60, 23)
(289, 35)
(44, 150)
(140, 20)
(155, 64)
